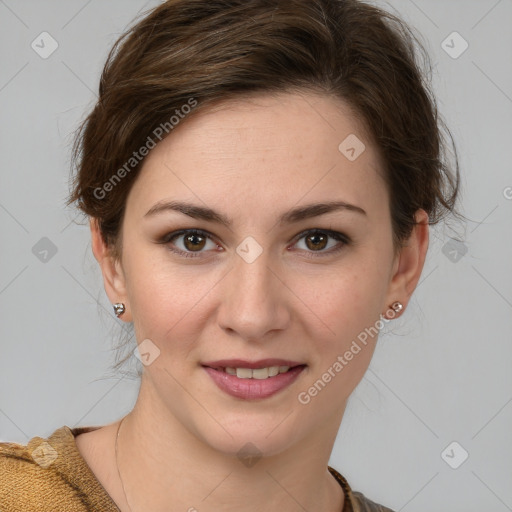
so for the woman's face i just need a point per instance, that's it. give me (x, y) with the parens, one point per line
(274, 282)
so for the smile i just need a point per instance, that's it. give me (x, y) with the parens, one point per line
(254, 383)
(258, 373)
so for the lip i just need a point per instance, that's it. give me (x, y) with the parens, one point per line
(253, 389)
(241, 363)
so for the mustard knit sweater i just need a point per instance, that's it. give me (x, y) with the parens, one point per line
(50, 475)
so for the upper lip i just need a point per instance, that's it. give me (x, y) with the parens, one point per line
(241, 363)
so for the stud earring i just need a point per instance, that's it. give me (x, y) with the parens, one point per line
(119, 308)
(397, 307)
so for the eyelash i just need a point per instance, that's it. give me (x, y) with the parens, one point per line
(340, 237)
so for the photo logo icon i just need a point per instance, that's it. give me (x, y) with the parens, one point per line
(249, 455)
(454, 250)
(454, 45)
(249, 250)
(44, 455)
(44, 250)
(146, 352)
(454, 455)
(352, 147)
(44, 45)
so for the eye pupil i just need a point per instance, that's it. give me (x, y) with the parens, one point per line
(317, 243)
(192, 238)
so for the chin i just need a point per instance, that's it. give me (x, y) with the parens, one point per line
(250, 443)
(267, 432)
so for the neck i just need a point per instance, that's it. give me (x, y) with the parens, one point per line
(164, 466)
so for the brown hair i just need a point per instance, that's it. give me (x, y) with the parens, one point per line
(198, 52)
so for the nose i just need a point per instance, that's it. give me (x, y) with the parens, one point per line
(254, 300)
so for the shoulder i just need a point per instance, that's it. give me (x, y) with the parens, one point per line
(42, 475)
(356, 501)
(366, 505)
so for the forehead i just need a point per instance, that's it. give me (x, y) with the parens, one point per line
(273, 148)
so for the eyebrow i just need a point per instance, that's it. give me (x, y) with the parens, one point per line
(294, 215)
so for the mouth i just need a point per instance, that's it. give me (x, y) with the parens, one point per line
(253, 380)
(261, 369)
(262, 373)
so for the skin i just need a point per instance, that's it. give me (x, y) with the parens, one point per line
(251, 160)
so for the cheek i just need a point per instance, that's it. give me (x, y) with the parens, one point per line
(343, 322)
(344, 301)
(168, 303)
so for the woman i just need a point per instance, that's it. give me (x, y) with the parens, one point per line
(260, 178)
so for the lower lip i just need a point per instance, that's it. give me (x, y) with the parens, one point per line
(253, 389)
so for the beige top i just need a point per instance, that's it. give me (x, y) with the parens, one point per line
(50, 475)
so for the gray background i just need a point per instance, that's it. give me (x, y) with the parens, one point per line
(442, 374)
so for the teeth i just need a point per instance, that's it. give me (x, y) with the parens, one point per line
(244, 373)
(257, 373)
(274, 370)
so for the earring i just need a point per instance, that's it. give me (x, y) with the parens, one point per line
(397, 307)
(119, 308)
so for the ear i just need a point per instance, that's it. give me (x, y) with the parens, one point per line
(409, 263)
(113, 275)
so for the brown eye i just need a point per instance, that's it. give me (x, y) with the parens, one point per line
(316, 241)
(194, 242)
(189, 243)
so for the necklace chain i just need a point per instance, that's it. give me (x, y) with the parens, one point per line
(117, 465)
